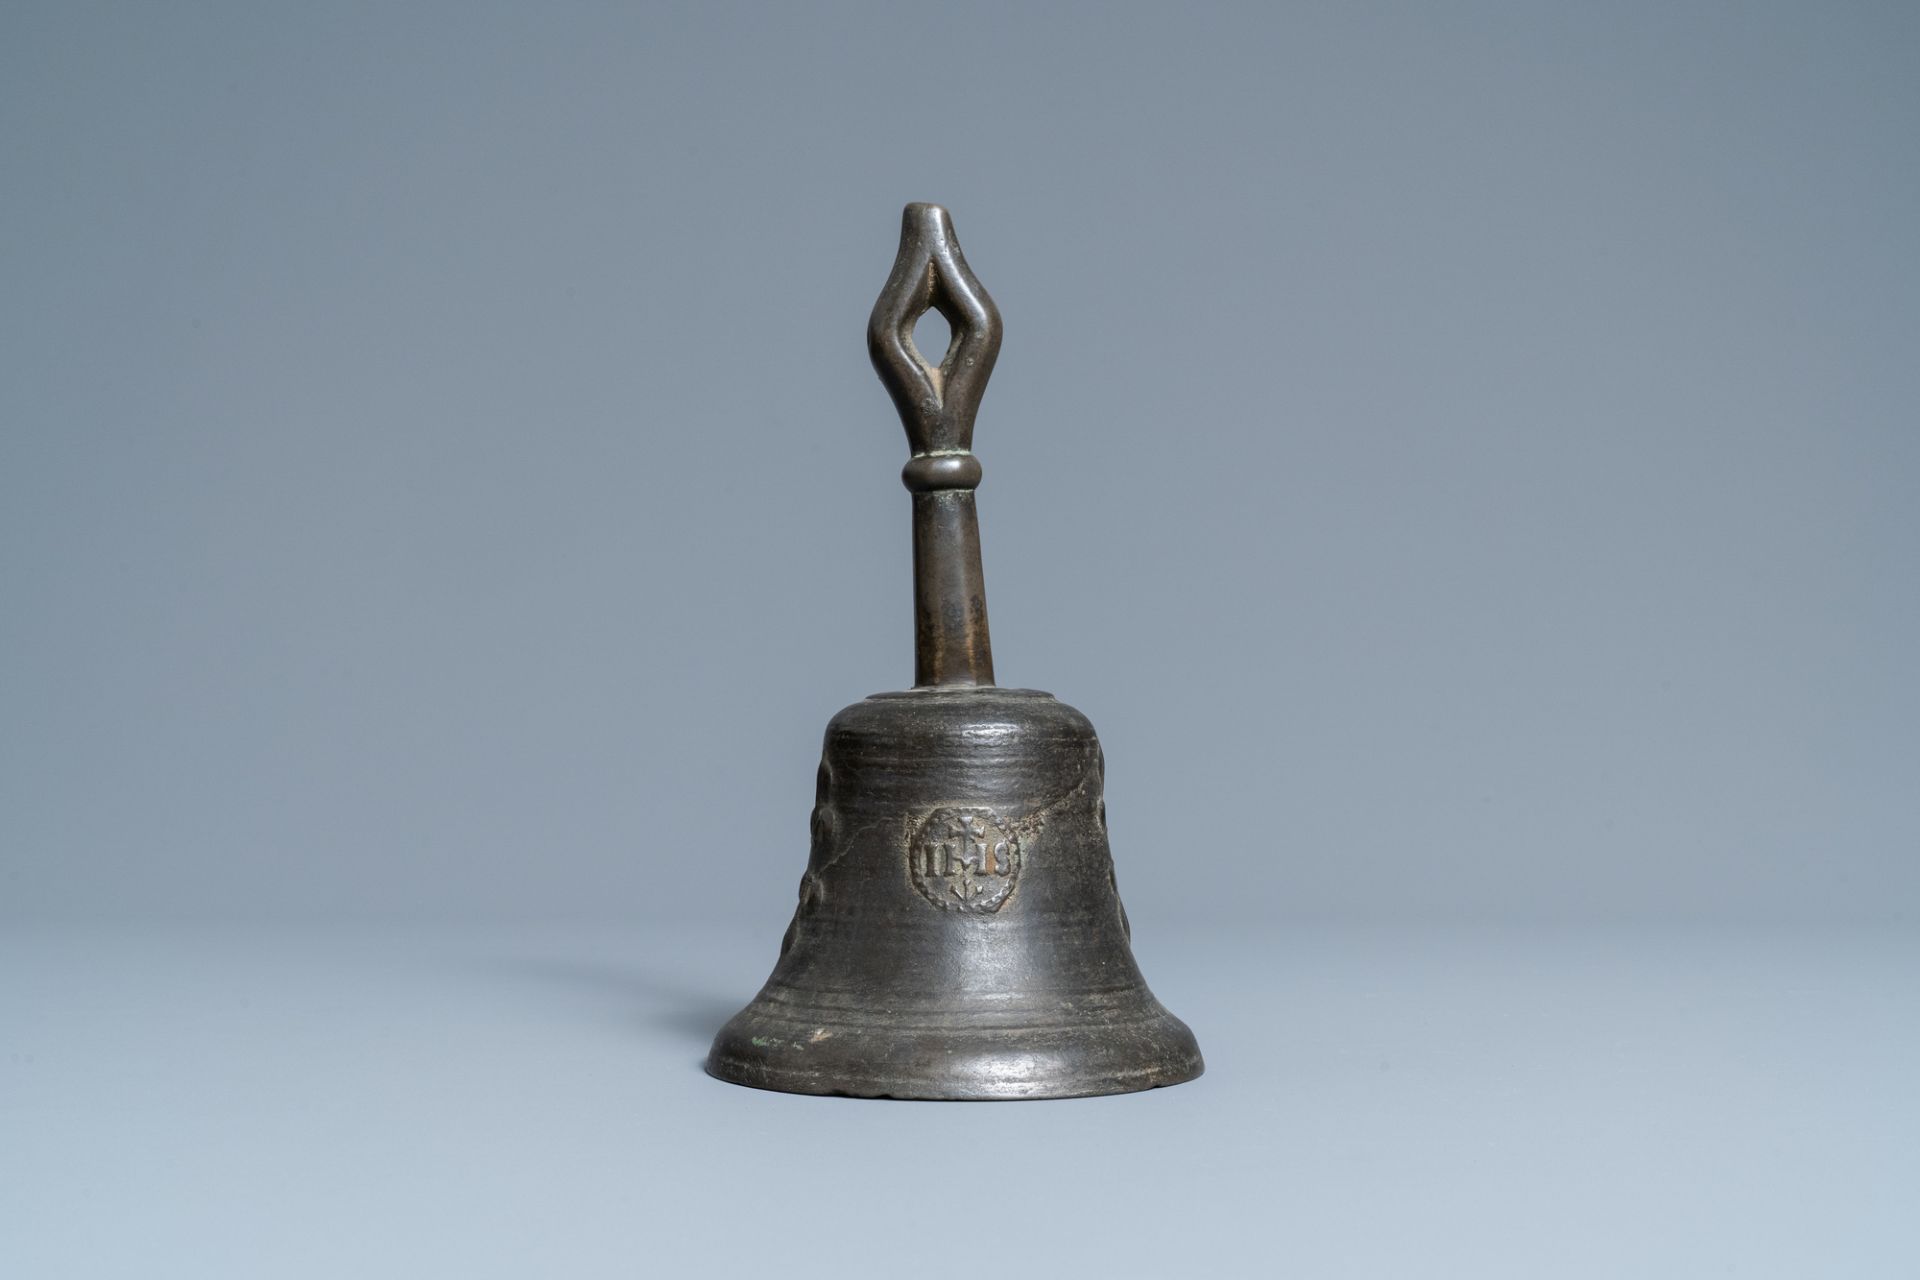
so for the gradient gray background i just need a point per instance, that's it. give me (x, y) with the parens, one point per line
(1462, 458)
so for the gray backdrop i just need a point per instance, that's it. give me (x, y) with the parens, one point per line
(1462, 458)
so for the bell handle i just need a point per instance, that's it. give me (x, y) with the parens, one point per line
(937, 404)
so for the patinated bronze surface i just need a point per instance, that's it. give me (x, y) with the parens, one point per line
(959, 933)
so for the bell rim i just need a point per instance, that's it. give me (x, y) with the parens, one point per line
(954, 1064)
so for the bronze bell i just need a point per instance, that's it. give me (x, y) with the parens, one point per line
(959, 933)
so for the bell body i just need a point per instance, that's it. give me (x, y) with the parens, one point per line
(959, 933)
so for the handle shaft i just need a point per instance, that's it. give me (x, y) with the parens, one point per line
(937, 403)
(950, 641)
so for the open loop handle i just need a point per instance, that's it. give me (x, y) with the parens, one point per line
(937, 403)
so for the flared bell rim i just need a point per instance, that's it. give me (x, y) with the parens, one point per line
(762, 1050)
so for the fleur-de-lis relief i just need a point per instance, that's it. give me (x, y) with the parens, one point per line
(965, 889)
